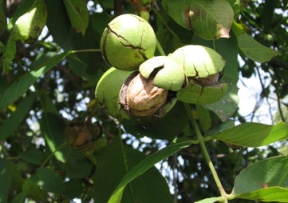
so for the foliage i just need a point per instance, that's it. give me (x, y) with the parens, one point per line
(58, 145)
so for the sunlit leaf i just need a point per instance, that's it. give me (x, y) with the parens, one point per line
(254, 134)
(206, 18)
(28, 27)
(78, 14)
(265, 180)
(208, 200)
(254, 50)
(9, 52)
(24, 8)
(262, 174)
(220, 127)
(236, 6)
(52, 129)
(272, 194)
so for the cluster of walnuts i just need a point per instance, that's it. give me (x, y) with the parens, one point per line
(140, 84)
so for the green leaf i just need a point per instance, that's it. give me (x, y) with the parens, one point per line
(170, 41)
(52, 129)
(254, 50)
(47, 104)
(204, 118)
(166, 127)
(239, 28)
(78, 14)
(48, 180)
(235, 4)
(144, 165)
(22, 84)
(65, 36)
(59, 24)
(254, 134)
(267, 15)
(118, 161)
(77, 166)
(208, 19)
(24, 7)
(265, 180)
(3, 21)
(9, 52)
(28, 27)
(73, 188)
(12, 123)
(20, 197)
(80, 69)
(227, 106)
(220, 127)
(6, 179)
(271, 194)
(34, 156)
(209, 200)
(31, 189)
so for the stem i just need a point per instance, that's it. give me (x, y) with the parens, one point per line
(159, 48)
(166, 25)
(92, 158)
(52, 154)
(205, 152)
(84, 51)
(214, 45)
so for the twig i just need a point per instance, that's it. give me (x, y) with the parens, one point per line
(199, 136)
(263, 91)
(117, 7)
(166, 25)
(84, 51)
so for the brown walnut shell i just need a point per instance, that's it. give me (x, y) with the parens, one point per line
(140, 98)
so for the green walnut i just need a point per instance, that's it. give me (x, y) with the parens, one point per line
(108, 88)
(127, 94)
(127, 41)
(202, 67)
(166, 73)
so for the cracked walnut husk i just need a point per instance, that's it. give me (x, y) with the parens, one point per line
(127, 41)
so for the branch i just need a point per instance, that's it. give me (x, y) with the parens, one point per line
(117, 7)
(278, 64)
(206, 154)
